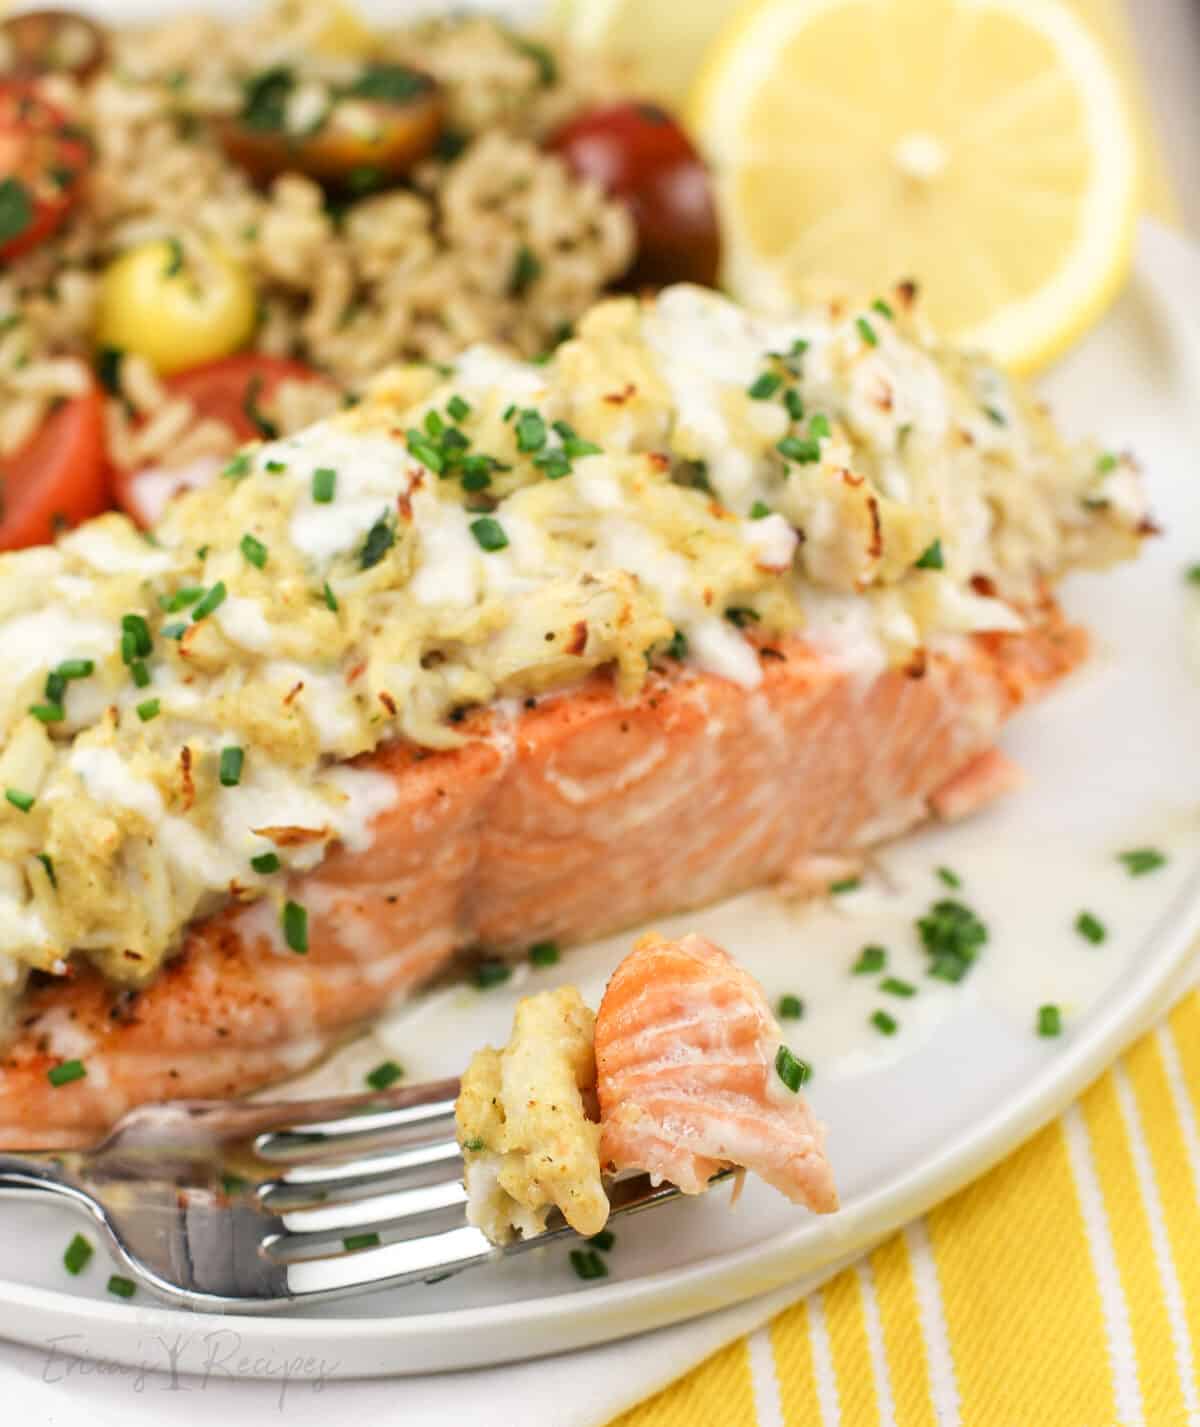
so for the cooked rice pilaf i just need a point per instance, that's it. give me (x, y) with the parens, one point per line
(492, 239)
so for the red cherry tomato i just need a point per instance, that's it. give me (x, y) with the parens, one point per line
(43, 162)
(639, 154)
(235, 390)
(59, 476)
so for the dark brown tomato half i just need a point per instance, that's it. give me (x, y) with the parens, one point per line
(637, 153)
(51, 42)
(372, 132)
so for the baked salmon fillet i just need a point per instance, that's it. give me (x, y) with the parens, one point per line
(681, 1073)
(512, 654)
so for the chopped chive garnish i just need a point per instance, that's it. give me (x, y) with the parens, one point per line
(678, 647)
(1049, 1021)
(952, 935)
(574, 444)
(791, 1071)
(361, 1241)
(604, 1240)
(799, 448)
(763, 387)
(56, 687)
(295, 927)
(995, 415)
(254, 413)
(526, 270)
(866, 332)
(384, 1074)
(1192, 574)
(434, 425)
(266, 863)
(1106, 462)
(148, 709)
(741, 615)
(790, 1008)
(489, 534)
(474, 1144)
(173, 631)
(870, 960)
(48, 713)
(531, 430)
(885, 1024)
(845, 884)
(819, 428)
(951, 879)
(932, 558)
(121, 1287)
(544, 953)
(211, 601)
(1141, 860)
(458, 408)
(78, 1255)
(238, 467)
(491, 973)
(554, 465)
(21, 801)
(324, 483)
(478, 478)
(76, 668)
(172, 604)
(48, 863)
(276, 467)
(140, 674)
(509, 411)
(135, 637)
(330, 598)
(794, 404)
(424, 450)
(380, 539)
(895, 987)
(1091, 928)
(587, 1263)
(254, 551)
(883, 309)
(66, 1072)
(759, 510)
(230, 771)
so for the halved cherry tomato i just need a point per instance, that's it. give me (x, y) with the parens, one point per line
(58, 478)
(363, 136)
(43, 160)
(51, 42)
(234, 390)
(638, 154)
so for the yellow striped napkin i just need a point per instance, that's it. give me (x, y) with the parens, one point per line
(1060, 1290)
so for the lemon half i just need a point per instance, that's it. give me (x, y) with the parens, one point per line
(980, 147)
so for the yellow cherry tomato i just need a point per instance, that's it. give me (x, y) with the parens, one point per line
(176, 306)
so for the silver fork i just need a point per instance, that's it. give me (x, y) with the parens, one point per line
(252, 1206)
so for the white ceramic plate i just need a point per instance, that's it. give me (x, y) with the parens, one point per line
(913, 1116)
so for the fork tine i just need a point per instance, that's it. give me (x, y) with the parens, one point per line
(401, 1205)
(304, 1184)
(432, 1255)
(352, 1134)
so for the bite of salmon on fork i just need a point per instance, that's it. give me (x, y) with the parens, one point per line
(511, 653)
(682, 1075)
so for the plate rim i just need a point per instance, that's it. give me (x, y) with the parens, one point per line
(462, 1338)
